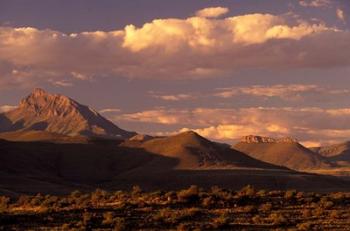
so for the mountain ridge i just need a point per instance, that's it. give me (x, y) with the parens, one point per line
(59, 114)
(285, 152)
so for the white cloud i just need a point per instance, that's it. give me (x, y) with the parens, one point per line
(212, 12)
(341, 14)
(315, 3)
(173, 97)
(110, 110)
(6, 108)
(194, 47)
(61, 83)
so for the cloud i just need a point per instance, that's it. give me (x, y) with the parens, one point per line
(61, 83)
(6, 108)
(309, 124)
(341, 14)
(170, 48)
(284, 91)
(110, 110)
(315, 3)
(174, 97)
(212, 12)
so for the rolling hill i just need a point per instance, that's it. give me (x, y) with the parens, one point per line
(284, 152)
(193, 151)
(336, 152)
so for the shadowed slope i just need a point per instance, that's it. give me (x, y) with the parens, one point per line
(27, 167)
(336, 152)
(193, 151)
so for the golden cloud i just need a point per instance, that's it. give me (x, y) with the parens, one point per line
(309, 124)
(194, 47)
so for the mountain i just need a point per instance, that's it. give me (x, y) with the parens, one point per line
(195, 152)
(186, 159)
(335, 152)
(285, 152)
(60, 115)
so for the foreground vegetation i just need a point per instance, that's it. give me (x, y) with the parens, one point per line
(188, 209)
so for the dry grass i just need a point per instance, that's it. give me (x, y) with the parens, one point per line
(188, 209)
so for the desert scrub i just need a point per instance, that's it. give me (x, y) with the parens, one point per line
(4, 203)
(278, 219)
(305, 226)
(221, 221)
(189, 195)
(290, 194)
(174, 216)
(267, 207)
(247, 191)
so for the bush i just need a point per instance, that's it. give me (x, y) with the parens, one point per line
(4, 203)
(182, 227)
(119, 224)
(189, 195)
(23, 200)
(290, 194)
(65, 227)
(208, 202)
(221, 221)
(173, 216)
(256, 219)
(108, 218)
(335, 214)
(136, 190)
(319, 211)
(249, 209)
(247, 191)
(261, 193)
(98, 197)
(306, 213)
(86, 218)
(278, 219)
(304, 226)
(266, 207)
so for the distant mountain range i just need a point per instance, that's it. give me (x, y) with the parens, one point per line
(71, 146)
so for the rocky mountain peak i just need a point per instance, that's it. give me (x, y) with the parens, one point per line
(42, 102)
(39, 92)
(59, 114)
(263, 139)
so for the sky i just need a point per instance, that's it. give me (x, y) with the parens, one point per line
(224, 69)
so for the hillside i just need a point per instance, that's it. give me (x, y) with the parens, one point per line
(283, 152)
(193, 151)
(336, 152)
(59, 168)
